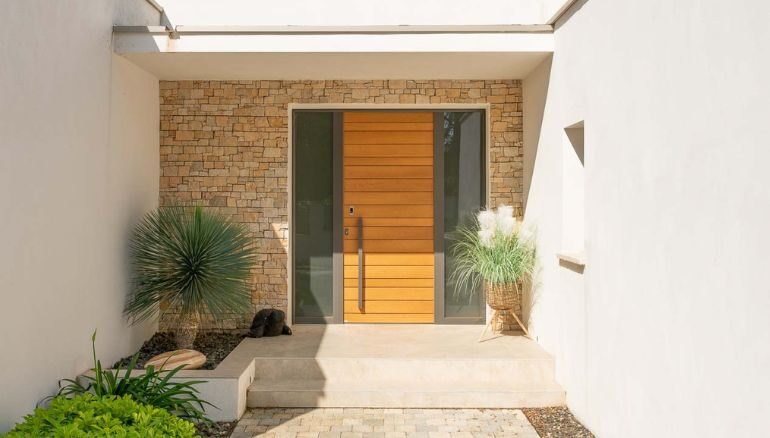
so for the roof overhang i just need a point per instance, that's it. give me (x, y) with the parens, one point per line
(305, 52)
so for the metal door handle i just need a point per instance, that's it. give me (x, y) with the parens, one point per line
(360, 263)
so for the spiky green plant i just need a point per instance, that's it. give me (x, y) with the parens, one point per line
(194, 260)
(154, 387)
(492, 249)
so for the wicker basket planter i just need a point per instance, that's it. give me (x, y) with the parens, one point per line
(503, 299)
(495, 251)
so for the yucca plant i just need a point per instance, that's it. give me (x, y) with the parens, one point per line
(193, 260)
(496, 251)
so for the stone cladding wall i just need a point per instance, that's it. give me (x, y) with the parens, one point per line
(224, 144)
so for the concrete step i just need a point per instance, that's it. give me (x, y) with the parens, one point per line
(400, 366)
(379, 394)
(445, 371)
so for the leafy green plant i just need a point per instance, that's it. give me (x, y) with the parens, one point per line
(191, 259)
(154, 387)
(492, 249)
(87, 415)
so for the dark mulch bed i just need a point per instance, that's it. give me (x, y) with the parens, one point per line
(216, 430)
(556, 422)
(216, 346)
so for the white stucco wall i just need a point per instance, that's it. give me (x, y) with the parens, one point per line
(78, 166)
(667, 331)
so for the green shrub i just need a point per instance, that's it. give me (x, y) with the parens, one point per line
(87, 415)
(154, 387)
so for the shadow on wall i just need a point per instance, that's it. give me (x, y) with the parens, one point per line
(535, 93)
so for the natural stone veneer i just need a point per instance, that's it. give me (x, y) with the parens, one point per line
(225, 144)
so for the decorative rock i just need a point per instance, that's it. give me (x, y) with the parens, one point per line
(169, 360)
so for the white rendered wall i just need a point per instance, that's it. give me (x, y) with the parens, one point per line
(79, 148)
(667, 332)
(352, 12)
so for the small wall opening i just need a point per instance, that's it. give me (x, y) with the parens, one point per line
(573, 191)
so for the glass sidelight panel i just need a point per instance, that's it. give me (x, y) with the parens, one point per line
(464, 194)
(312, 212)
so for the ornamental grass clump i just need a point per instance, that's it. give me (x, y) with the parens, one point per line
(493, 249)
(193, 260)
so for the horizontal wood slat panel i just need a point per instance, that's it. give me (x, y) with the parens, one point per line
(367, 211)
(388, 185)
(382, 150)
(388, 172)
(390, 221)
(388, 178)
(389, 161)
(371, 272)
(393, 198)
(390, 282)
(390, 318)
(388, 137)
(374, 306)
(421, 246)
(394, 233)
(391, 293)
(387, 117)
(405, 259)
(388, 126)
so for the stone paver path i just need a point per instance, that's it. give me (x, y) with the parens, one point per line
(385, 423)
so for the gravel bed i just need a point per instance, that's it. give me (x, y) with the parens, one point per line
(219, 429)
(556, 422)
(216, 346)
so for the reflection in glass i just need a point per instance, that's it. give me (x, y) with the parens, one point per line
(463, 197)
(312, 213)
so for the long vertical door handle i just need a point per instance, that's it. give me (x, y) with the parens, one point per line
(360, 263)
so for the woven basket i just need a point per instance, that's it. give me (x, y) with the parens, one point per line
(503, 298)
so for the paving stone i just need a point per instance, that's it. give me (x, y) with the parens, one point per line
(384, 423)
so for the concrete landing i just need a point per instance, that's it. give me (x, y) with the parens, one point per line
(399, 366)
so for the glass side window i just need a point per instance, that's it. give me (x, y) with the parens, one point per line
(312, 214)
(464, 195)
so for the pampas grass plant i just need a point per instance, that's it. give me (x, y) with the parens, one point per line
(493, 249)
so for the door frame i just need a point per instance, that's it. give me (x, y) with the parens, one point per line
(337, 202)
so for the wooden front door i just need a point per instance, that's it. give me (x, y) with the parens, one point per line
(388, 217)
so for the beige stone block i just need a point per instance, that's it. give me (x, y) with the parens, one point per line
(407, 98)
(360, 93)
(453, 92)
(184, 135)
(420, 98)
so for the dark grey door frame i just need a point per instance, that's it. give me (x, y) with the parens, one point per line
(438, 217)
